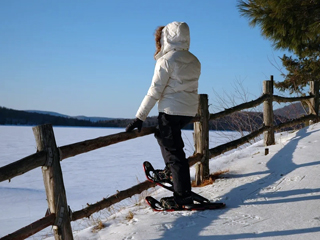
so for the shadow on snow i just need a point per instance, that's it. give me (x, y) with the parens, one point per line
(278, 166)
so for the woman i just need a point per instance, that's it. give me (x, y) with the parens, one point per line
(175, 87)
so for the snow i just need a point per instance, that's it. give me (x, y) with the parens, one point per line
(274, 196)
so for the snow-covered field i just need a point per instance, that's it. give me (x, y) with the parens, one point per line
(88, 178)
(268, 197)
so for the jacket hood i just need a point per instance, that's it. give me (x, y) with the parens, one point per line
(175, 36)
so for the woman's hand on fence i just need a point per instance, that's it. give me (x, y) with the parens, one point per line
(137, 123)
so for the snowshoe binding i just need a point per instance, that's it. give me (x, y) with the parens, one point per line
(176, 203)
(162, 175)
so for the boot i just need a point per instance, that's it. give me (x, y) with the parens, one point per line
(178, 201)
(183, 198)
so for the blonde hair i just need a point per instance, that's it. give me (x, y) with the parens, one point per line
(157, 37)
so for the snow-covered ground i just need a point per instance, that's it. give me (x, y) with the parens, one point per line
(268, 197)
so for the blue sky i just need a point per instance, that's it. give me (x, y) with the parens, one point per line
(95, 57)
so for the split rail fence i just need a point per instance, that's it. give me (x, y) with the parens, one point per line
(48, 156)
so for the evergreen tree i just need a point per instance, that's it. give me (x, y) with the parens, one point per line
(292, 25)
(300, 72)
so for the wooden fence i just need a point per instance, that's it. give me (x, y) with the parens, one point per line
(48, 156)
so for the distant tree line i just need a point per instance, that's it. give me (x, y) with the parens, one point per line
(17, 117)
(240, 121)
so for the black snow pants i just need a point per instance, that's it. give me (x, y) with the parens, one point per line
(168, 134)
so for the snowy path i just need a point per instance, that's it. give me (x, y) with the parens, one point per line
(268, 197)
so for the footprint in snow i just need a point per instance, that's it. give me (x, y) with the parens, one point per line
(129, 237)
(170, 226)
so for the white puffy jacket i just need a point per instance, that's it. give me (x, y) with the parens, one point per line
(175, 81)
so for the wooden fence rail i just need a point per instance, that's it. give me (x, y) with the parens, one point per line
(32, 228)
(23, 165)
(246, 139)
(89, 145)
(39, 159)
(49, 157)
(257, 102)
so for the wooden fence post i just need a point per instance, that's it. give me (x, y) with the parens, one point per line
(53, 181)
(268, 112)
(314, 90)
(201, 139)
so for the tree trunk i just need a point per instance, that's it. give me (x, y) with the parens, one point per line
(314, 90)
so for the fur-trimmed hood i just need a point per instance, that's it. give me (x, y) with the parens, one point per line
(175, 36)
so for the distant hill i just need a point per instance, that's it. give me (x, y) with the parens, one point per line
(16, 117)
(291, 111)
(48, 113)
(34, 117)
(92, 119)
